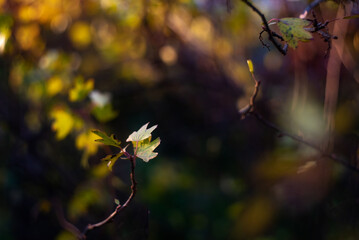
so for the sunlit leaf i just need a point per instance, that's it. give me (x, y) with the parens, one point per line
(292, 30)
(145, 149)
(86, 141)
(62, 124)
(81, 89)
(80, 34)
(250, 65)
(54, 85)
(107, 140)
(141, 134)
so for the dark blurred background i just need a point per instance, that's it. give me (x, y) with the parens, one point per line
(69, 66)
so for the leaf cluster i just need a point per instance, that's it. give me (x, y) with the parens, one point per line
(141, 142)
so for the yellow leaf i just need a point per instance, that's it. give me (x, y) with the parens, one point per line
(81, 89)
(80, 34)
(62, 124)
(292, 30)
(86, 141)
(54, 86)
(250, 65)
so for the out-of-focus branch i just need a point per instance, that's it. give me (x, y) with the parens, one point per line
(63, 222)
(333, 77)
(266, 27)
(309, 8)
(250, 110)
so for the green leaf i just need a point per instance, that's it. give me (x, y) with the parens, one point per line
(107, 140)
(145, 148)
(292, 30)
(117, 202)
(112, 159)
(104, 113)
(141, 134)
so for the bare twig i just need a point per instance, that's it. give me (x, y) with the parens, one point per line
(310, 7)
(305, 142)
(266, 27)
(119, 207)
(250, 110)
(63, 222)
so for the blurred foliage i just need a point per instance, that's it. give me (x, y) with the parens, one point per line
(71, 66)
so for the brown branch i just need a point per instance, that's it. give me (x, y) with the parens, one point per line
(249, 110)
(63, 222)
(266, 27)
(250, 107)
(120, 207)
(310, 7)
(305, 142)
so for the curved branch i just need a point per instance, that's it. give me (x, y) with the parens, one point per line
(120, 207)
(266, 27)
(310, 7)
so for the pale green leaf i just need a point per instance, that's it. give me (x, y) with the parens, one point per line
(141, 134)
(145, 148)
(292, 30)
(107, 140)
(104, 113)
(117, 202)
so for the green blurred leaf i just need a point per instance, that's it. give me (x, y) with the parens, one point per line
(145, 149)
(107, 140)
(117, 202)
(141, 134)
(292, 30)
(105, 113)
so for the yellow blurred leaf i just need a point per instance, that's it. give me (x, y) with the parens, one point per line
(80, 34)
(62, 124)
(27, 36)
(81, 89)
(86, 141)
(54, 86)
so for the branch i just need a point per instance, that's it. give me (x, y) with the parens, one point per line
(249, 110)
(310, 7)
(305, 142)
(119, 207)
(266, 27)
(63, 222)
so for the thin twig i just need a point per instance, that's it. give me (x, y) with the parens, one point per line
(266, 27)
(250, 110)
(250, 107)
(305, 142)
(310, 7)
(119, 207)
(63, 222)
